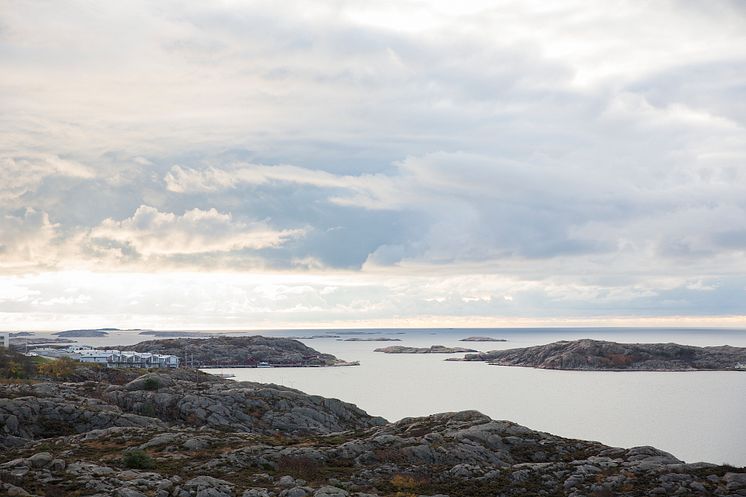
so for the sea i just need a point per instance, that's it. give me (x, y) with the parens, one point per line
(696, 416)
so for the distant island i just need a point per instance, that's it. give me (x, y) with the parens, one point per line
(372, 339)
(597, 355)
(99, 332)
(21, 343)
(250, 351)
(482, 339)
(185, 334)
(21, 334)
(434, 349)
(366, 332)
(313, 337)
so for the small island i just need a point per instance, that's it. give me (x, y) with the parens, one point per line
(312, 337)
(373, 339)
(482, 339)
(30, 343)
(247, 351)
(98, 332)
(434, 349)
(174, 334)
(598, 355)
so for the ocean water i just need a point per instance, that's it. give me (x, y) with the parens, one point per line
(697, 416)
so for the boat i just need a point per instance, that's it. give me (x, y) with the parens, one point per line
(264, 365)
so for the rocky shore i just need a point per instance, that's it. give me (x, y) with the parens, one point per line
(434, 349)
(238, 351)
(596, 355)
(183, 433)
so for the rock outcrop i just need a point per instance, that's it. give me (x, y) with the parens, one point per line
(179, 397)
(251, 350)
(182, 433)
(461, 454)
(599, 355)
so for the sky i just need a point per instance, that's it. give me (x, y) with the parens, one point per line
(251, 164)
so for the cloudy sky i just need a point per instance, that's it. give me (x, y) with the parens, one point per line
(249, 164)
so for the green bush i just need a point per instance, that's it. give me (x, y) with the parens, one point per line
(151, 384)
(137, 459)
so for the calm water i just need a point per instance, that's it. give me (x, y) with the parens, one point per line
(697, 416)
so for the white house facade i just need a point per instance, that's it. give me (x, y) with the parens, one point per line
(113, 358)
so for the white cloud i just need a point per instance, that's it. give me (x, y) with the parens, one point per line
(565, 154)
(27, 241)
(154, 233)
(24, 173)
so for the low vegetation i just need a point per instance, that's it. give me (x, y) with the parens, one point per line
(16, 366)
(137, 459)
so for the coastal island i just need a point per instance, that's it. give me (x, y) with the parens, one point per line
(94, 333)
(433, 349)
(184, 433)
(371, 339)
(248, 351)
(182, 334)
(482, 339)
(21, 343)
(598, 355)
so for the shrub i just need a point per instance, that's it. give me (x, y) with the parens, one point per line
(137, 459)
(151, 384)
(404, 481)
(15, 365)
(60, 369)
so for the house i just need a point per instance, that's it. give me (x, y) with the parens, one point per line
(113, 358)
(5, 340)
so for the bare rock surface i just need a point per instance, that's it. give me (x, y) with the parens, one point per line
(182, 397)
(250, 350)
(187, 434)
(600, 355)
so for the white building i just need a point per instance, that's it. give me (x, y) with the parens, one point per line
(113, 358)
(5, 339)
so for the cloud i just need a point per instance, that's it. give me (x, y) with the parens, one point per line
(27, 241)
(22, 174)
(560, 153)
(153, 233)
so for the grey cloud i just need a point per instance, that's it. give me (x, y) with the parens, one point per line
(567, 153)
